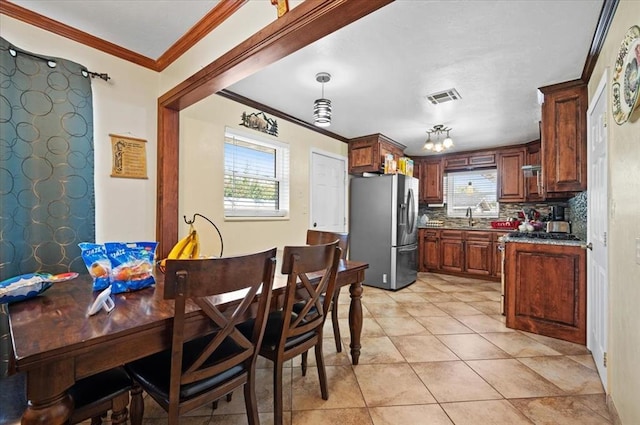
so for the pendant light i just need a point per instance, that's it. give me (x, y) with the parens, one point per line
(322, 106)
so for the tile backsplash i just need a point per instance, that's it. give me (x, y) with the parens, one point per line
(575, 212)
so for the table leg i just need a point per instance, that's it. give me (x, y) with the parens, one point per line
(355, 320)
(55, 411)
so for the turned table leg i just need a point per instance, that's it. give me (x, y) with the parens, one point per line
(355, 320)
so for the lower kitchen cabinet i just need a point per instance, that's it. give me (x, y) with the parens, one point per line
(545, 290)
(478, 257)
(470, 253)
(451, 251)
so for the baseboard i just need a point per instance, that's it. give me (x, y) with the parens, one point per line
(612, 411)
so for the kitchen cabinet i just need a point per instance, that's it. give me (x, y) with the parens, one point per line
(451, 251)
(478, 257)
(431, 178)
(564, 139)
(429, 249)
(470, 160)
(465, 253)
(511, 182)
(545, 290)
(532, 184)
(367, 153)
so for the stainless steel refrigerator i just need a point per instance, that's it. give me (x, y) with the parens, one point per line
(383, 228)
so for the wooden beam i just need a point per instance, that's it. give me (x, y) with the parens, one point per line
(304, 24)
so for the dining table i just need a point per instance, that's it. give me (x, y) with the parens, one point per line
(56, 342)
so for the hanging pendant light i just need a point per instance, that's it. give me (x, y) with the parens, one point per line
(322, 106)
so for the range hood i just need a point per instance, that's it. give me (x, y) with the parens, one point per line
(531, 170)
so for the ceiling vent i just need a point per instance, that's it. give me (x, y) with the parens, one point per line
(444, 96)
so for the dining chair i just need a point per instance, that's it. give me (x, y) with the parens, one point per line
(199, 370)
(311, 272)
(315, 237)
(92, 397)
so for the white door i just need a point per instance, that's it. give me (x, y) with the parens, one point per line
(597, 219)
(328, 192)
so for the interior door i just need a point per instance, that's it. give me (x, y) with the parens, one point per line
(597, 219)
(328, 192)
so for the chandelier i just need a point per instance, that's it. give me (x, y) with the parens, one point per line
(438, 131)
(322, 106)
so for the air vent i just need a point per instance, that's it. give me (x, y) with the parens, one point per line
(444, 96)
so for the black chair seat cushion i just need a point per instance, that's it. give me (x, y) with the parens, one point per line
(100, 387)
(274, 330)
(153, 372)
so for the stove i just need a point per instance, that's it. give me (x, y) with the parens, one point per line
(545, 235)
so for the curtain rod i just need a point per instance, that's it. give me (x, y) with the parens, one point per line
(52, 64)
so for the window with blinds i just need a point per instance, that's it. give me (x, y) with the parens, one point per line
(256, 176)
(472, 189)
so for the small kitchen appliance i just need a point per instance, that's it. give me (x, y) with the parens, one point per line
(557, 213)
(558, 227)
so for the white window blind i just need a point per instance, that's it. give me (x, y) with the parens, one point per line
(472, 189)
(256, 176)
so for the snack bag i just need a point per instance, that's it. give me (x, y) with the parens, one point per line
(98, 264)
(131, 265)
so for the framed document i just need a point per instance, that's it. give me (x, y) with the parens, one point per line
(129, 157)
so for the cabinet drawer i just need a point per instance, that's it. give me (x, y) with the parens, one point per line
(484, 160)
(479, 236)
(456, 162)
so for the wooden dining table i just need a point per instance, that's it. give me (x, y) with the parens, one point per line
(56, 343)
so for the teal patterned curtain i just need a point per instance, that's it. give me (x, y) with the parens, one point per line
(46, 163)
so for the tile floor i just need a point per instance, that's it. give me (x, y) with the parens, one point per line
(436, 352)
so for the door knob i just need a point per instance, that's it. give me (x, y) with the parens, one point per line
(588, 246)
(315, 224)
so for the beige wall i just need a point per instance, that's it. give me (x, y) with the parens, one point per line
(623, 370)
(201, 178)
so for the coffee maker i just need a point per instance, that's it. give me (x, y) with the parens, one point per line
(557, 222)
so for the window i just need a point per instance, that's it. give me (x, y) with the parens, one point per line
(472, 189)
(256, 176)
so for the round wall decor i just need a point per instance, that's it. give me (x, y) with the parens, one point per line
(626, 77)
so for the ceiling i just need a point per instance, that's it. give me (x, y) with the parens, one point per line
(494, 53)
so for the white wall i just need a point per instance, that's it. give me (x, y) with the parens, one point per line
(202, 170)
(623, 367)
(125, 105)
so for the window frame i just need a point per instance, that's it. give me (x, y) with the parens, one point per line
(461, 212)
(281, 176)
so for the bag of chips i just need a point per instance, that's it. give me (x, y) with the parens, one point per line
(98, 264)
(131, 265)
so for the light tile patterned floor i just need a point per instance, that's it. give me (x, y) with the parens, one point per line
(436, 353)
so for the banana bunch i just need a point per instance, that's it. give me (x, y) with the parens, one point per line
(186, 248)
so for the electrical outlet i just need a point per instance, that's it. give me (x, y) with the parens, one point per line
(637, 250)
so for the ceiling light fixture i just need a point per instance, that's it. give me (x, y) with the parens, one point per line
(322, 106)
(438, 146)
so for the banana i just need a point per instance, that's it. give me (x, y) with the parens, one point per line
(187, 247)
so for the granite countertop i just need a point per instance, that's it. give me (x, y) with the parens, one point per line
(578, 242)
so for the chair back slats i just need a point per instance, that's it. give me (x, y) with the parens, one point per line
(302, 265)
(205, 282)
(317, 237)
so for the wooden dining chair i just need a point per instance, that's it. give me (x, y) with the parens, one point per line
(92, 397)
(200, 370)
(311, 272)
(315, 237)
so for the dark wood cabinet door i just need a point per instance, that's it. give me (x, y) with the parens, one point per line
(478, 256)
(546, 290)
(532, 184)
(510, 175)
(564, 139)
(451, 251)
(431, 181)
(430, 250)
(366, 154)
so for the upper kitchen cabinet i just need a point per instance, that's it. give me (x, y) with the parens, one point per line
(469, 160)
(511, 183)
(430, 175)
(532, 184)
(367, 153)
(564, 139)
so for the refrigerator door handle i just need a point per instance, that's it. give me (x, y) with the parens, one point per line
(411, 215)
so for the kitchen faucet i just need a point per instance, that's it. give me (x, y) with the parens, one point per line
(470, 215)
